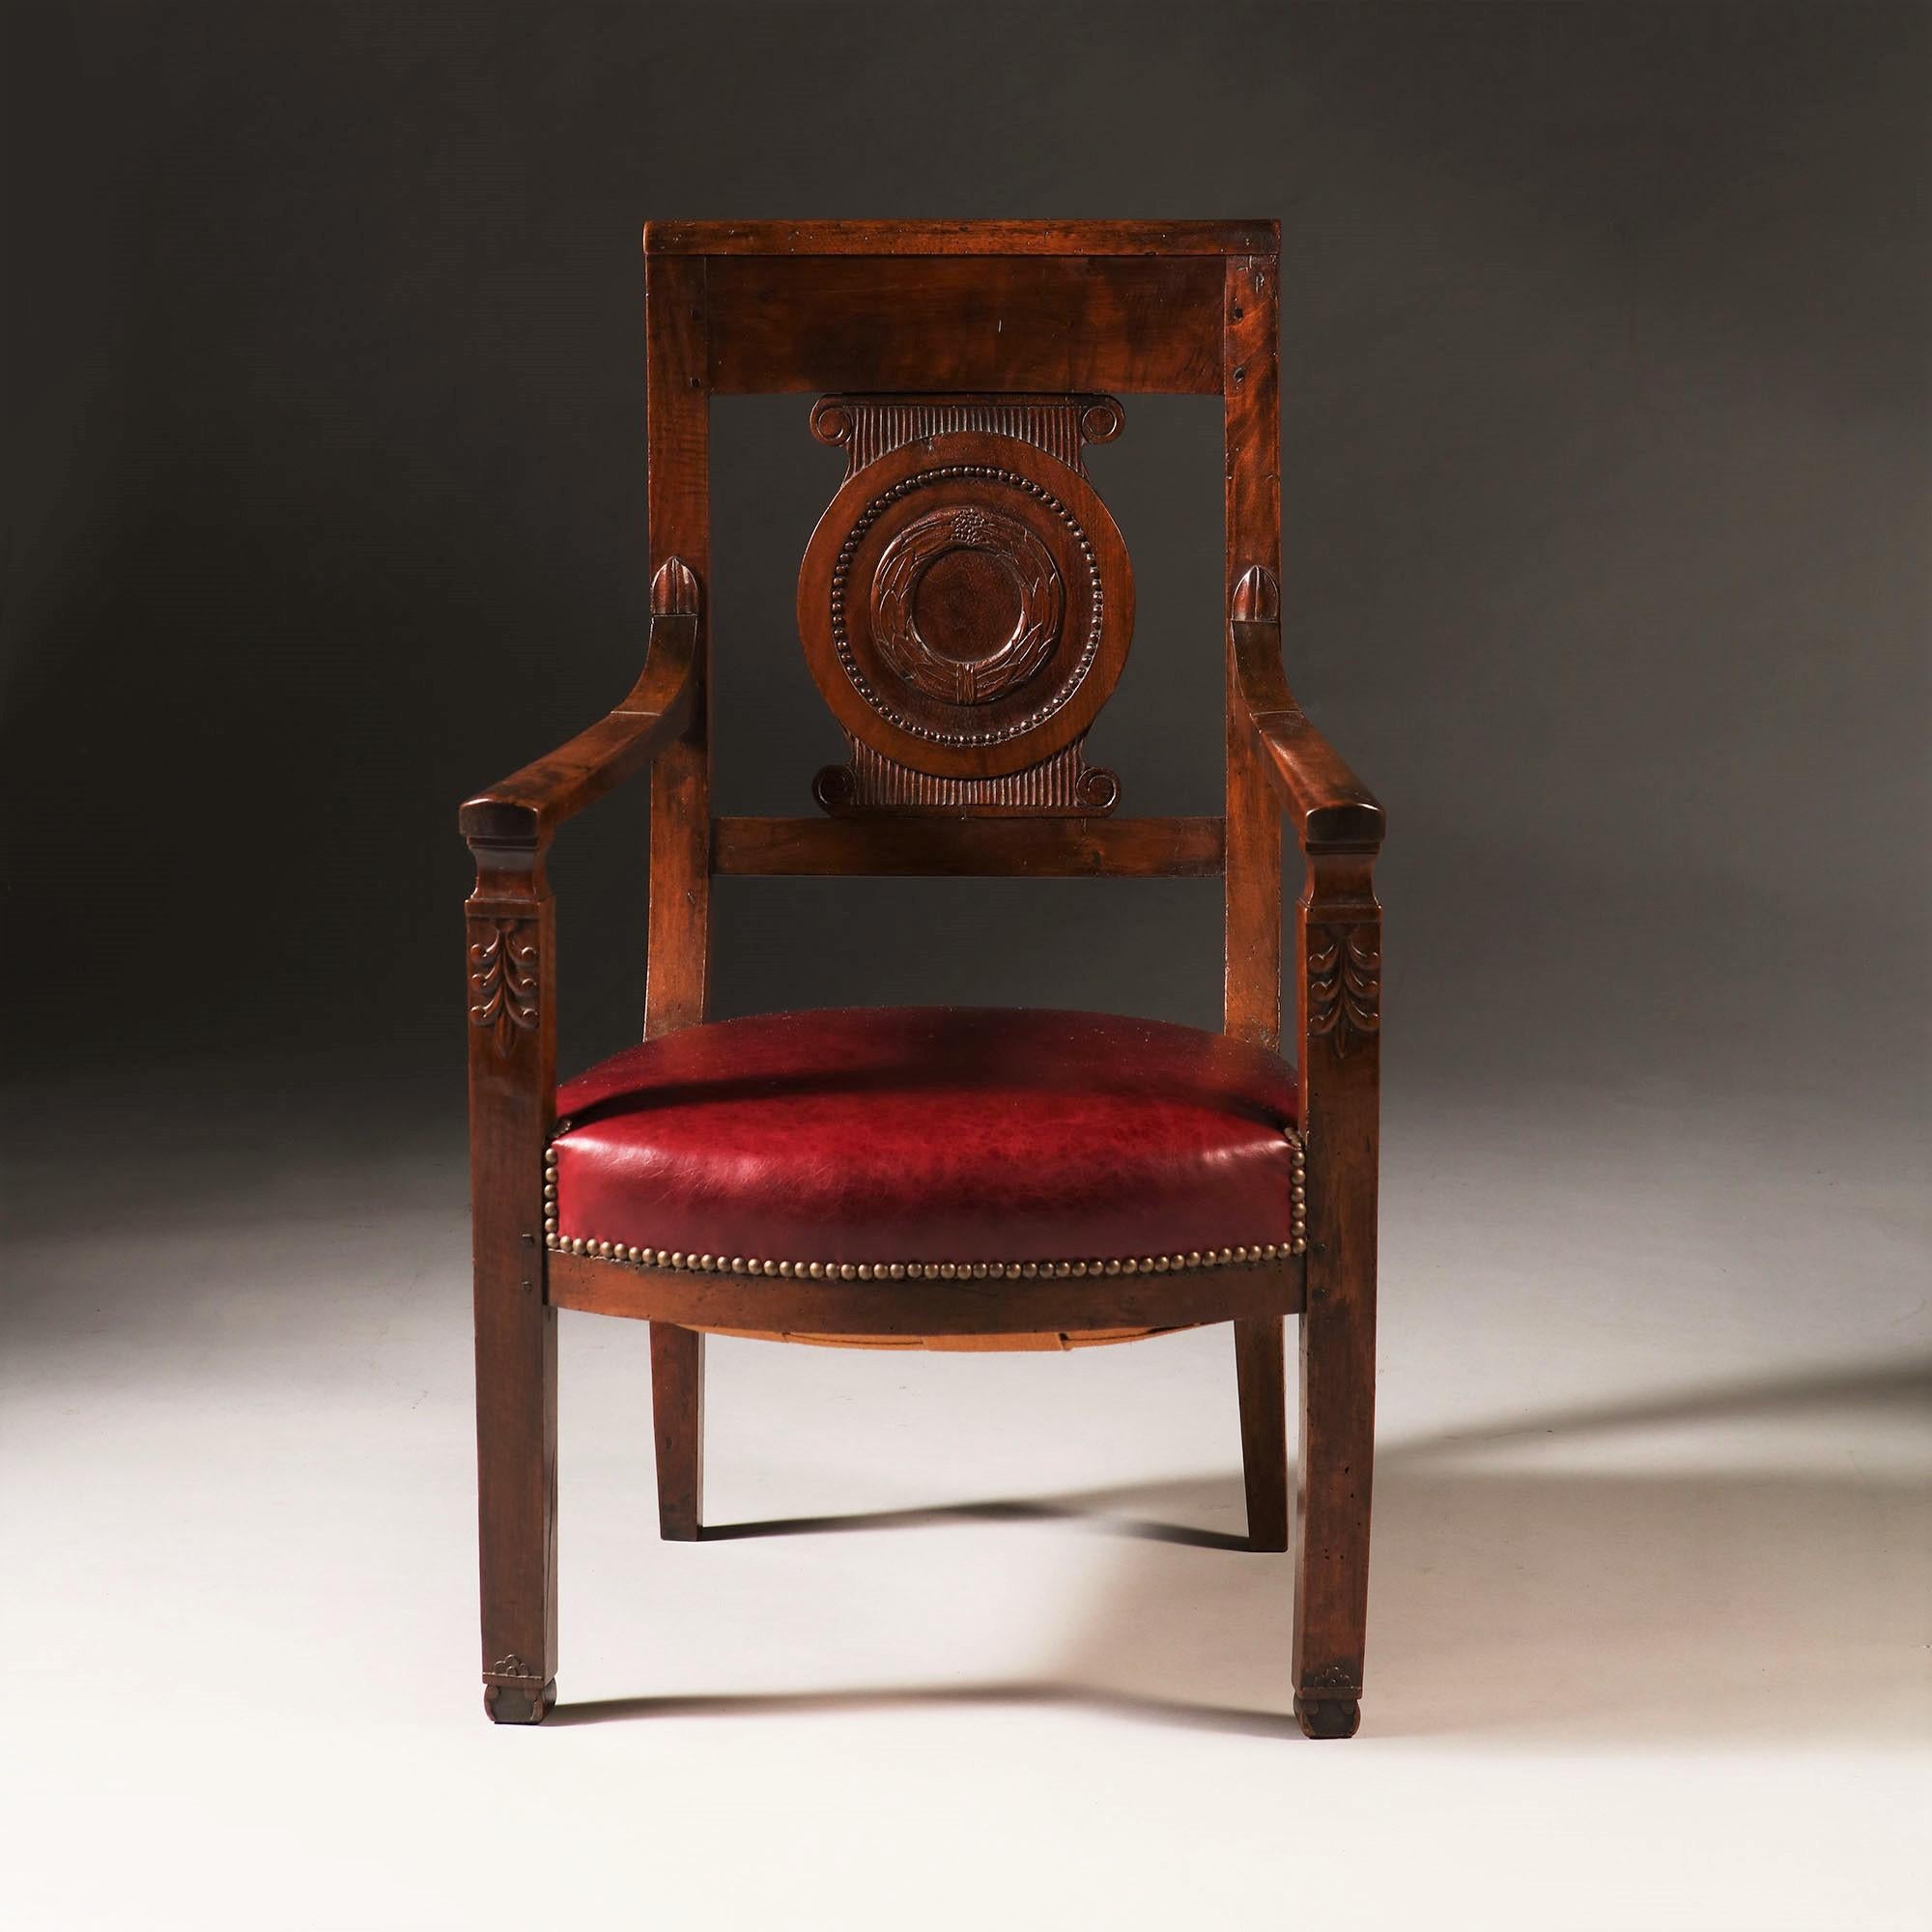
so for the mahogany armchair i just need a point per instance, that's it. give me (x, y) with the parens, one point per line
(907, 1176)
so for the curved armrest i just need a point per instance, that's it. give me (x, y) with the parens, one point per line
(529, 804)
(1330, 808)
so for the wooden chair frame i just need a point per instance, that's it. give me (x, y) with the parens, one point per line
(1187, 307)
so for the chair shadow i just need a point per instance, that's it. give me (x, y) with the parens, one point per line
(1605, 1607)
(1088, 1509)
(1197, 1717)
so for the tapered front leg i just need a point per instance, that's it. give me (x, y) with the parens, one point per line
(516, 1443)
(512, 1079)
(1261, 1378)
(1331, 1525)
(1339, 930)
(677, 1406)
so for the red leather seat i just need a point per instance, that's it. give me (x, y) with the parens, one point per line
(920, 1134)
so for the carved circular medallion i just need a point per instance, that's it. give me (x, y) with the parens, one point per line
(966, 605)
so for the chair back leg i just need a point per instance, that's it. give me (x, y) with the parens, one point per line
(1261, 1378)
(678, 1407)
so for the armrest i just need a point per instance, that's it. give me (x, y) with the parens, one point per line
(1330, 808)
(529, 804)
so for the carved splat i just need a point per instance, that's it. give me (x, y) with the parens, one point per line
(966, 604)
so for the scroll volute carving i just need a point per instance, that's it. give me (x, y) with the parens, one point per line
(966, 602)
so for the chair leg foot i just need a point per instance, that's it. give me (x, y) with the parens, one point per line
(1329, 1716)
(518, 1704)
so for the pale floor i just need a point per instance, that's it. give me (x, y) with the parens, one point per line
(1651, 1600)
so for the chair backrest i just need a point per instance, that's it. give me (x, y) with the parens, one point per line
(966, 602)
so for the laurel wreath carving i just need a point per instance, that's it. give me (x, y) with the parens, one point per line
(1344, 983)
(504, 983)
(895, 589)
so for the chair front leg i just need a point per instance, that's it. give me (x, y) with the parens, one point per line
(1339, 1004)
(512, 1088)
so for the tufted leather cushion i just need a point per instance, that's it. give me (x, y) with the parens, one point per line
(929, 1133)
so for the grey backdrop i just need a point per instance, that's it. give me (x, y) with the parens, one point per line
(1604, 465)
(1606, 476)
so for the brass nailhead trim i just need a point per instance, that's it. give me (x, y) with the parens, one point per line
(679, 1261)
(1297, 1193)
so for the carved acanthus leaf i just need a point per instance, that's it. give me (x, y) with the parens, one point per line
(504, 980)
(512, 1670)
(1331, 1679)
(1344, 983)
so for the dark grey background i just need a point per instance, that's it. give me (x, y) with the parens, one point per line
(1604, 467)
(1605, 475)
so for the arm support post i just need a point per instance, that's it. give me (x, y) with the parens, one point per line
(511, 953)
(1337, 1033)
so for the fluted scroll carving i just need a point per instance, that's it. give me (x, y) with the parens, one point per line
(867, 427)
(1064, 784)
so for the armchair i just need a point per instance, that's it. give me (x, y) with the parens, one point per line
(935, 1176)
